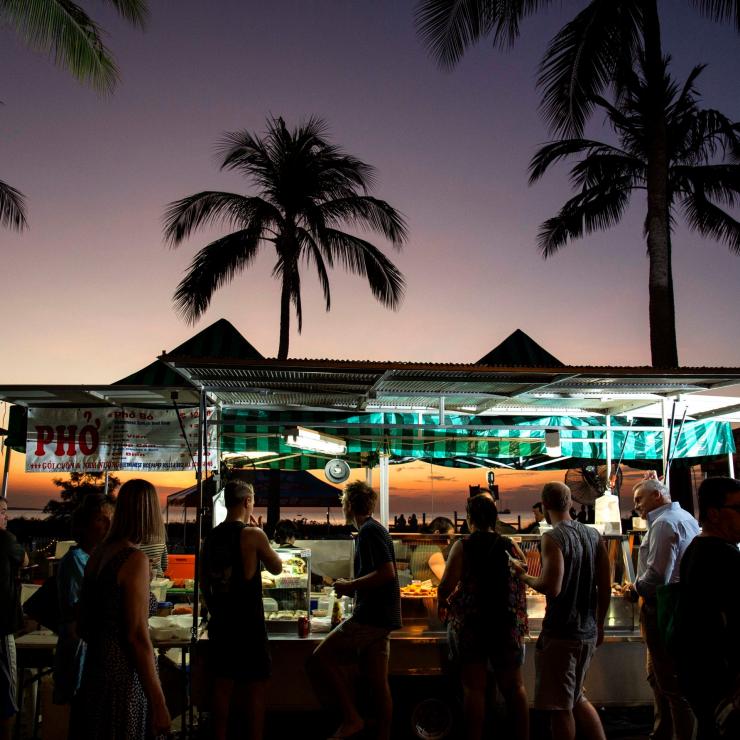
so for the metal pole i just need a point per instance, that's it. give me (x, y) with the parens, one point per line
(664, 421)
(107, 481)
(6, 470)
(384, 512)
(202, 437)
(608, 453)
(730, 464)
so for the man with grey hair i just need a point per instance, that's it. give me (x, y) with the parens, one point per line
(670, 530)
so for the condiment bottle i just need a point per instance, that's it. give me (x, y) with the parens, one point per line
(336, 613)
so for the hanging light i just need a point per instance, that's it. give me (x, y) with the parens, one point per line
(310, 439)
(552, 443)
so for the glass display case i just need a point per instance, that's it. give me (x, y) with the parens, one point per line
(417, 554)
(286, 596)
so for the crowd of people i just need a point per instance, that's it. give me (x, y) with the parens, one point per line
(687, 583)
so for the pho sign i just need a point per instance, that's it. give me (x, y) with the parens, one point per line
(98, 439)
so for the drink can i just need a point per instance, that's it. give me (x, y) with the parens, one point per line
(304, 626)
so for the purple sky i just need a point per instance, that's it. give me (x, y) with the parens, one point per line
(86, 291)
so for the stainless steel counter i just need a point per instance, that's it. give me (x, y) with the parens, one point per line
(616, 676)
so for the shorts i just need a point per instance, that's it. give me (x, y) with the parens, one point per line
(8, 677)
(466, 646)
(238, 659)
(560, 669)
(352, 642)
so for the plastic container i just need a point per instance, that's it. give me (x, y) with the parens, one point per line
(159, 587)
(180, 567)
(607, 513)
(164, 608)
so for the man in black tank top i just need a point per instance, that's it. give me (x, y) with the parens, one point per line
(238, 653)
(575, 579)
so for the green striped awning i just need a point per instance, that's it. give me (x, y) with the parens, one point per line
(419, 436)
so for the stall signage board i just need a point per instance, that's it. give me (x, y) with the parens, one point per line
(98, 439)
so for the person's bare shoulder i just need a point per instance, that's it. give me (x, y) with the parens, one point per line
(253, 537)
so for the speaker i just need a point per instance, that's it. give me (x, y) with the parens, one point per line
(336, 471)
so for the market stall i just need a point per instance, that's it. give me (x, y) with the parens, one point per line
(451, 414)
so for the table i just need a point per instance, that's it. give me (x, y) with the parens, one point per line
(35, 650)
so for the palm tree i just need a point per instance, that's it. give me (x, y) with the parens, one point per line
(306, 188)
(593, 51)
(700, 184)
(65, 31)
(12, 207)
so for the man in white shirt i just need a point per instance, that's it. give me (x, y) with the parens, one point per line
(670, 530)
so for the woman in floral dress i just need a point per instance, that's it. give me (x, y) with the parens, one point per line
(487, 618)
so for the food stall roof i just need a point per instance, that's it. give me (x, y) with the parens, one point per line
(465, 388)
(76, 396)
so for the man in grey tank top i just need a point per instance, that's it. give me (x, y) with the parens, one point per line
(575, 579)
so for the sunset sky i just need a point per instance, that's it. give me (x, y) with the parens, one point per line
(86, 291)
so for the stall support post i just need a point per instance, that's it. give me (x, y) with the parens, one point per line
(6, 470)
(609, 453)
(202, 436)
(666, 438)
(369, 476)
(384, 512)
(731, 465)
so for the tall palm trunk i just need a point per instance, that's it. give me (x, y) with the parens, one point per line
(284, 319)
(662, 312)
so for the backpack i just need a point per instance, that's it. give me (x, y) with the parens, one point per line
(669, 604)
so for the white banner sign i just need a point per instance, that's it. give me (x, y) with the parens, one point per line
(98, 439)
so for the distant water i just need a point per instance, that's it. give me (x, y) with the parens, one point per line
(26, 513)
(311, 515)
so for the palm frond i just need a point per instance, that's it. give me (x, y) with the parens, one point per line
(362, 258)
(709, 219)
(63, 29)
(582, 59)
(368, 213)
(554, 151)
(212, 267)
(12, 208)
(595, 209)
(720, 10)
(183, 216)
(598, 168)
(311, 251)
(449, 27)
(719, 182)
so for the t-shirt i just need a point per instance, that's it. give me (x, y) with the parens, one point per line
(708, 619)
(11, 560)
(381, 606)
(69, 582)
(571, 615)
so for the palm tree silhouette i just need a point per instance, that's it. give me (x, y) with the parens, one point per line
(593, 51)
(699, 182)
(74, 40)
(12, 207)
(307, 187)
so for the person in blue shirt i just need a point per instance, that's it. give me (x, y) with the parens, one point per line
(90, 524)
(670, 531)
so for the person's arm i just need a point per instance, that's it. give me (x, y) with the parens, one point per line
(661, 558)
(452, 574)
(256, 547)
(134, 581)
(436, 564)
(603, 588)
(553, 567)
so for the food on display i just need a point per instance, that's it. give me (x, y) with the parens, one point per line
(286, 614)
(418, 590)
(182, 609)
